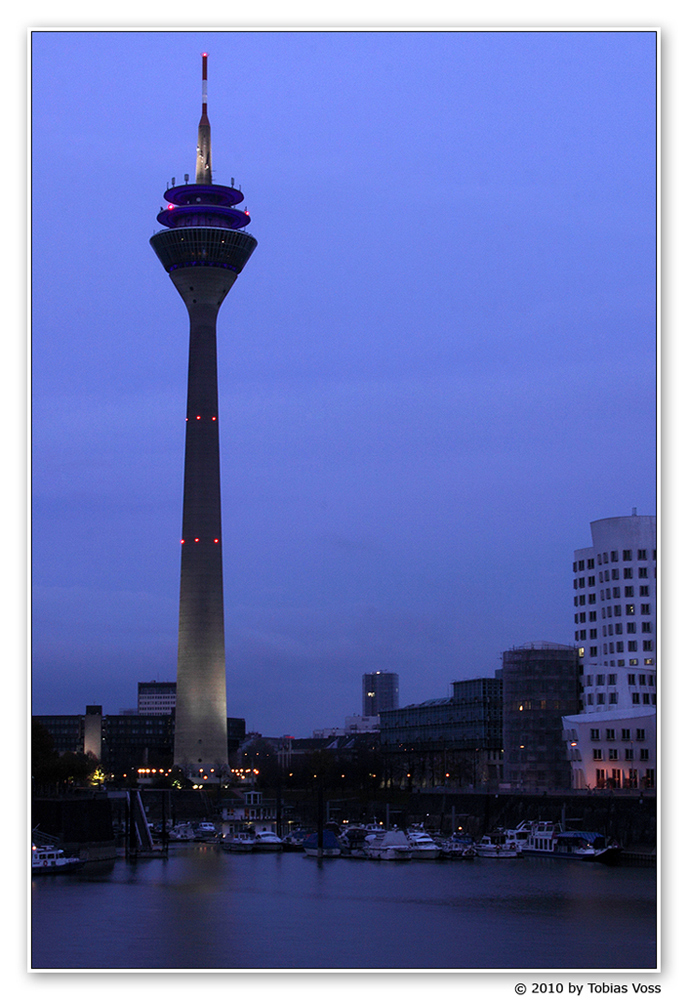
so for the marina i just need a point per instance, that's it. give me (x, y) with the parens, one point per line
(202, 907)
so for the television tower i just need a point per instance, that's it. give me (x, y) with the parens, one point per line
(203, 248)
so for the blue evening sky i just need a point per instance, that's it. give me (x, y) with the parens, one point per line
(437, 368)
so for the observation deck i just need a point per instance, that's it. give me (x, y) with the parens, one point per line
(203, 228)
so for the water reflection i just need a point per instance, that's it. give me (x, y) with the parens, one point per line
(203, 908)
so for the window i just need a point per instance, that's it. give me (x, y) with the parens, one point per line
(593, 633)
(615, 574)
(594, 734)
(615, 556)
(600, 699)
(649, 661)
(629, 753)
(640, 735)
(646, 627)
(619, 648)
(605, 557)
(641, 680)
(635, 698)
(628, 573)
(630, 626)
(600, 679)
(650, 778)
(593, 649)
(613, 753)
(611, 734)
(591, 581)
(627, 555)
(618, 628)
(591, 563)
(645, 609)
(625, 734)
(644, 753)
(631, 678)
(647, 646)
(632, 647)
(646, 699)
(642, 572)
(642, 553)
(613, 699)
(617, 610)
(590, 699)
(611, 678)
(597, 754)
(644, 591)
(630, 609)
(628, 592)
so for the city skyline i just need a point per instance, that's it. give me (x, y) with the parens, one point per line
(439, 372)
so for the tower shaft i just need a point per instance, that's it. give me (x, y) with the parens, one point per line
(200, 744)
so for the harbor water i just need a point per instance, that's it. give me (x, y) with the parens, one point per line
(205, 908)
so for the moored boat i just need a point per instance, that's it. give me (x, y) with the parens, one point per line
(242, 842)
(267, 841)
(330, 847)
(294, 841)
(353, 841)
(546, 839)
(388, 845)
(52, 861)
(423, 847)
(458, 847)
(499, 845)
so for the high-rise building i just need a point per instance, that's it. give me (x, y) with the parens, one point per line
(380, 692)
(615, 613)
(612, 740)
(203, 248)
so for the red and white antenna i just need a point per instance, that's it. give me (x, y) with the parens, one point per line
(203, 163)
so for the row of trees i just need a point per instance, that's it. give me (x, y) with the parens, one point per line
(53, 771)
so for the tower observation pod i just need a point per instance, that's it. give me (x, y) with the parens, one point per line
(203, 248)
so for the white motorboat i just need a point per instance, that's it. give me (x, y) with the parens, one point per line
(267, 841)
(205, 831)
(52, 861)
(423, 847)
(241, 842)
(388, 845)
(182, 831)
(458, 847)
(500, 844)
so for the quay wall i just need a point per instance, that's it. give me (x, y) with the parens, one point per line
(83, 824)
(630, 819)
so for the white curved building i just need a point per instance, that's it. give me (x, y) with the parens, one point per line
(615, 621)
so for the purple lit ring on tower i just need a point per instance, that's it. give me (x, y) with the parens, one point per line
(207, 194)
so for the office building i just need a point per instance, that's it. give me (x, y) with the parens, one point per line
(540, 686)
(156, 697)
